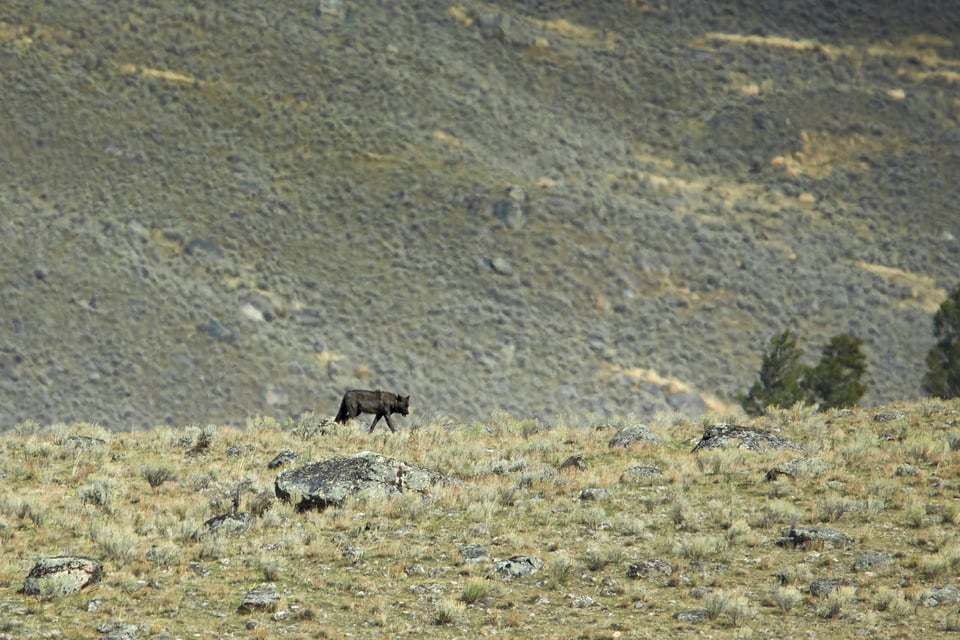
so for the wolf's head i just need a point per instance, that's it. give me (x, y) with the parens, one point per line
(403, 405)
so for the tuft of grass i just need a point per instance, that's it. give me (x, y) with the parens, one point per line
(477, 591)
(448, 611)
(786, 598)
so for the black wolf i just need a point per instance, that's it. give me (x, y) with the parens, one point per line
(379, 402)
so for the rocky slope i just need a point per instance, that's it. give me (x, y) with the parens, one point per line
(212, 211)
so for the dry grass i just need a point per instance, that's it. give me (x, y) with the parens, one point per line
(392, 567)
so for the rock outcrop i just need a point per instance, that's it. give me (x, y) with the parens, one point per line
(718, 436)
(328, 482)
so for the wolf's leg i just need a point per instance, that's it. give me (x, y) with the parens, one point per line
(375, 421)
(390, 424)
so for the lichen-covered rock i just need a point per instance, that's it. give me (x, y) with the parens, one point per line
(822, 587)
(518, 566)
(593, 493)
(473, 552)
(639, 472)
(626, 436)
(718, 436)
(869, 560)
(284, 457)
(62, 575)
(328, 483)
(114, 630)
(936, 596)
(263, 597)
(692, 616)
(651, 568)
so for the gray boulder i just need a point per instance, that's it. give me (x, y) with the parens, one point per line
(263, 597)
(328, 482)
(718, 436)
(62, 575)
(650, 568)
(870, 560)
(518, 566)
(626, 436)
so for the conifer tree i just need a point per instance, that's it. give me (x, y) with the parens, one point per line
(835, 381)
(943, 361)
(781, 377)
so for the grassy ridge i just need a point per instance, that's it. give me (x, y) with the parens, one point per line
(380, 567)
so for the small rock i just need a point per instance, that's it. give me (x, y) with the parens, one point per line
(937, 596)
(651, 568)
(871, 560)
(593, 493)
(692, 616)
(284, 457)
(518, 566)
(263, 597)
(640, 472)
(887, 416)
(472, 552)
(117, 631)
(822, 587)
(582, 601)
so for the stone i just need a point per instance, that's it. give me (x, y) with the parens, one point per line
(593, 493)
(640, 472)
(650, 568)
(626, 436)
(263, 597)
(473, 552)
(822, 587)
(518, 566)
(319, 485)
(692, 616)
(117, 631)
(227, 523)
(803, 536)
(718, 436)
(869, 560)
(936, 596)
(284, 457)
(62, 575)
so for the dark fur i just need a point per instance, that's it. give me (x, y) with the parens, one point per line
(381, 403)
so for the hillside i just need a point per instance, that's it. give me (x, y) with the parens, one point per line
(214, 211)
(844, 524)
